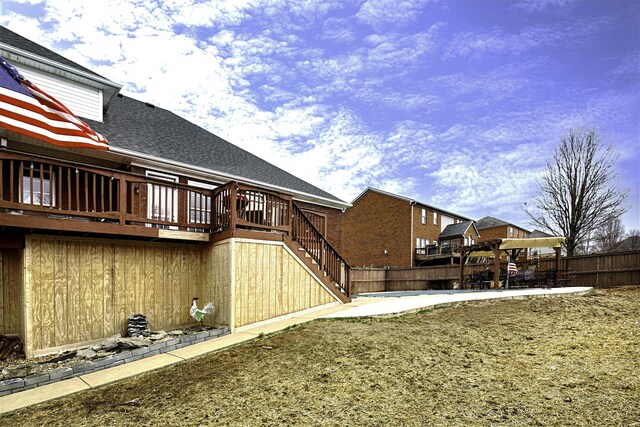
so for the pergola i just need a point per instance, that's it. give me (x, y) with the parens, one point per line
(513, 247)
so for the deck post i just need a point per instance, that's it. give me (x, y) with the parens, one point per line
(122, 198)
(233, 206)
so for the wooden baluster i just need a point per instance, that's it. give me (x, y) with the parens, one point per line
(30, 183)
(93, 176)
(69, 195)
(111, 182)
(52, 187)
(41, 185)
(11, 199)
(85, 174)
(77, 190)
(59, 195)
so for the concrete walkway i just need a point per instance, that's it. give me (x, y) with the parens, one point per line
(378, 304)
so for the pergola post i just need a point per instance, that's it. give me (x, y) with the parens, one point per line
(496, 265)
(558, 258)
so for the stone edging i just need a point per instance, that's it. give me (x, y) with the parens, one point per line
(15, 385)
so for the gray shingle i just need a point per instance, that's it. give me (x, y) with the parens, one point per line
(489, 221)
(455, 230)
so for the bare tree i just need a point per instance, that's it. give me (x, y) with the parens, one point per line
(578, 192)
(609, 235)
(633, 239)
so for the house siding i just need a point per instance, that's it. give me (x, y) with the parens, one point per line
(83, 101)
(374, 223)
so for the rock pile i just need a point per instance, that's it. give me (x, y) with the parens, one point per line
(138, 326)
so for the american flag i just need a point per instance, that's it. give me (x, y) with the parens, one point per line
(512, 269)
(27, 110)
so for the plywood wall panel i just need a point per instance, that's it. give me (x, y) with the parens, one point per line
(11, 290)
(270, 282)
(85, 289)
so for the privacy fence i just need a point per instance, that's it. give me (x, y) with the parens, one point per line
(600, 270)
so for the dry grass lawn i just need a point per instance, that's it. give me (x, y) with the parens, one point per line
(571, 361)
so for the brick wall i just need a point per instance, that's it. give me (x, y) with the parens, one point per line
(429, 230)
(375, 223)
(502, 232)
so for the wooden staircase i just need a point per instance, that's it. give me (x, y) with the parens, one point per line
(318, 255)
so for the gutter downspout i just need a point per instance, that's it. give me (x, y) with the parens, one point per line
(412, 252)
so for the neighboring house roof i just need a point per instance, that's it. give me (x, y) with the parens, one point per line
(10, 38)
(457, 230)
(407, 199)
(489, 222)
(140, 127)
(540, 233)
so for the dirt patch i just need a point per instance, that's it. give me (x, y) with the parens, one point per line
(571, 360)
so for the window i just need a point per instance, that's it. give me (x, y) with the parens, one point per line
(510, 231)
(421, 245)
(435, 218)
(199, 205)
(424, 216)
(162, 200)
(38, 187)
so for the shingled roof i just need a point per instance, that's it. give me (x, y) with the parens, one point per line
(456, 230)
(489, 221)
(153, 131)
(10, 38)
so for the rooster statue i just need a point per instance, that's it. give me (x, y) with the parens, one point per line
(198, 314)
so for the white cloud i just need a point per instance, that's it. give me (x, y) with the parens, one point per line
(479, 42)
(533, 6)
(379, 13)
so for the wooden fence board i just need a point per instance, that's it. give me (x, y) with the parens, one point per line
(599, 270)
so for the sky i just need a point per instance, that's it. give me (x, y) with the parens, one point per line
(458, 104)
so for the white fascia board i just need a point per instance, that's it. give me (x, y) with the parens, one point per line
(170, 166)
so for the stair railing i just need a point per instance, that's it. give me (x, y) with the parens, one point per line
(322, 252)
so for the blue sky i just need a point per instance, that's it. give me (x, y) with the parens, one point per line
(456, 103)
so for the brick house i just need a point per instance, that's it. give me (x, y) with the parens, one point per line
(494, 228)
(386, 229)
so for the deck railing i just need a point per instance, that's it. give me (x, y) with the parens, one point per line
(57, 189)
(239, 206)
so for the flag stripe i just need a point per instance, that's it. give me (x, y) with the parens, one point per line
(40, 133)
(37, 119)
